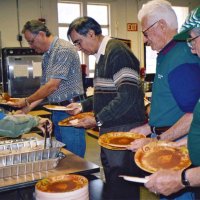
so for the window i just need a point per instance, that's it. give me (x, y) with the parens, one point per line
(182, 13)
(100, 13)
(68, 11)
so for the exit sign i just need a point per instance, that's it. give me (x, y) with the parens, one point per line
(132, 27)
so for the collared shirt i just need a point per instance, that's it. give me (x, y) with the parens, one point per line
(102, 48)
(193, 136)
(117, 88)
(61, 61)
(172, 93)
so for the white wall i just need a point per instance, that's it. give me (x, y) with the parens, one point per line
(28, 9)
(126, 12)
(122, 12)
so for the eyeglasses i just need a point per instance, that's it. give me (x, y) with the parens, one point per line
(77, 43)
(30, 42)
(145, 32)
(190, 41)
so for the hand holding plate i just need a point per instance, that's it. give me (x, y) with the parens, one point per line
(87, 122)
(164, 182)
(74, 108)
(19, 103)
(135, 145)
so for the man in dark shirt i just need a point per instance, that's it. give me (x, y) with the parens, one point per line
(118, 101)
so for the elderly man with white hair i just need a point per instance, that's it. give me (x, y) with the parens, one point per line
(167, 182)
(176, 85)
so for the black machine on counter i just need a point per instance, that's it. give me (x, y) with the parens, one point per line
(21, 71)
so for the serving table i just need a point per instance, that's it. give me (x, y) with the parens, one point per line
(68, 165)
(22, 187)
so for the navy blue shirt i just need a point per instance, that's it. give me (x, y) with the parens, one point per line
(184, 82)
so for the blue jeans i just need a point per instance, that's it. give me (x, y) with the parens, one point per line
(73, 138)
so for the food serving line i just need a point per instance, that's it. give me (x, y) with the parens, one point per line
(23, 168)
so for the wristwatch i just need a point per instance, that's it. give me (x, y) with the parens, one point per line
(158, 137)
(184, 180)
(98, 122)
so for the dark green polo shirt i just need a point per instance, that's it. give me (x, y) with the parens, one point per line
(194, 137)
(165, 109)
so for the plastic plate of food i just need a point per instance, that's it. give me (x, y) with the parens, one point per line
(73, 120)
(56, 107)
(162, 155)
(118, 140)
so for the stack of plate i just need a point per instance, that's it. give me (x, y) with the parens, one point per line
(70, 187)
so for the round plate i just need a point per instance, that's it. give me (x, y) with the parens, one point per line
(56, 107)
(63, 183)
(7, 105)
(73, 120)
(11, 100)
(118, 140)
(162, 155)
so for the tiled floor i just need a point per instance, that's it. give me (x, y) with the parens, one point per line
(93, 153)
(92, 150)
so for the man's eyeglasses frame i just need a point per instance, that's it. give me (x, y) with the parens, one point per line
(145, 31)
(190, 41)
(77, 43)
(33, 40)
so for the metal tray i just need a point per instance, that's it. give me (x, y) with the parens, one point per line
(30, 167)
(19, 151)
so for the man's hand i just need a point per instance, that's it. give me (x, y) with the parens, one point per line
(23, 110)
(87, 122)
(43, 122)
(74, 108)
(135, 145)
(144, 129)
(19, 103)
(164, 182)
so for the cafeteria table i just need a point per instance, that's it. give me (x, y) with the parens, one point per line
(22, 187)
(71, 164)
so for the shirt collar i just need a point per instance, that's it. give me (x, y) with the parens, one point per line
(168, 47)
(102, 48)
(52, 44)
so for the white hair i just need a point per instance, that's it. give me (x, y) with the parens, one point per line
(156, 10)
